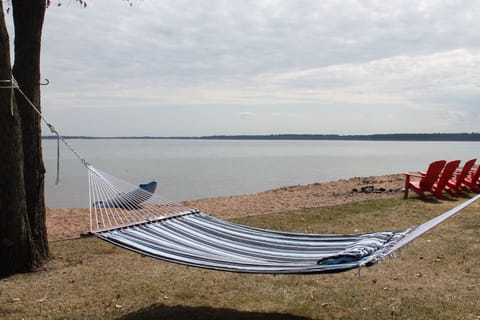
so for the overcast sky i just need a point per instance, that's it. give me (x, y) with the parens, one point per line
(189, 67)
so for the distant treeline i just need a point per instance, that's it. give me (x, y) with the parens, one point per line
(474, 136)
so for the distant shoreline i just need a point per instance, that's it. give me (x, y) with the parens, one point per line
(370, 137)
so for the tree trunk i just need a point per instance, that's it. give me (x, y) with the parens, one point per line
(16, 254)
(28, 16)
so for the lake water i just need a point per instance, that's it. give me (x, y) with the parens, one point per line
(193, 169)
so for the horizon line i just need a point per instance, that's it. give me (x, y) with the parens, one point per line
(473, 136)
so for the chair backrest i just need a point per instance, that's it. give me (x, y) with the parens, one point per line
(475, 175)
(464, 172)
(432, 174)
(447, 174)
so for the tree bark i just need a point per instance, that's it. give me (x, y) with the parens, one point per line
(16, 244)
(28, 17)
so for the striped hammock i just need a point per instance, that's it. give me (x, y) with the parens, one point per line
(139, 220)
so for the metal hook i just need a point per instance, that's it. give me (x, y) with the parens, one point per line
(47, 82)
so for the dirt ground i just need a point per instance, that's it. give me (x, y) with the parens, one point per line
(70, 223)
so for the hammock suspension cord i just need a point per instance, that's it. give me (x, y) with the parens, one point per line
(14, 86)
(114, 204)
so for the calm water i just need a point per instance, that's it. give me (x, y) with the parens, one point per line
(193, 169)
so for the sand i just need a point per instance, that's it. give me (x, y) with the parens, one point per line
(71, 223)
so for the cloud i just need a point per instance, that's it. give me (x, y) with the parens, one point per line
(407, 56)
(406, 80)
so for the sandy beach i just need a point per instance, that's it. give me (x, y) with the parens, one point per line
(71, 223)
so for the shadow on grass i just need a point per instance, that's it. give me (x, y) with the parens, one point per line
(200, 313)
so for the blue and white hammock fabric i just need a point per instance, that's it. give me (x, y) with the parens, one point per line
(138, 220)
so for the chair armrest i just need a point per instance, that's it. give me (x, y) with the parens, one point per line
(414, 174)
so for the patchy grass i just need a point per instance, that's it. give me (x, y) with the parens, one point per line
(436, 277)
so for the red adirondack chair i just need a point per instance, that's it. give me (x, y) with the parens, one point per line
(472, 181)
(454, 186)
(447, 173)
(427, 179)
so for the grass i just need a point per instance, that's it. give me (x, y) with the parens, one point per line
(436, 277)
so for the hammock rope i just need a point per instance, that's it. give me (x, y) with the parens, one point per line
(14, 86)
(138, 219)
(114, 204)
